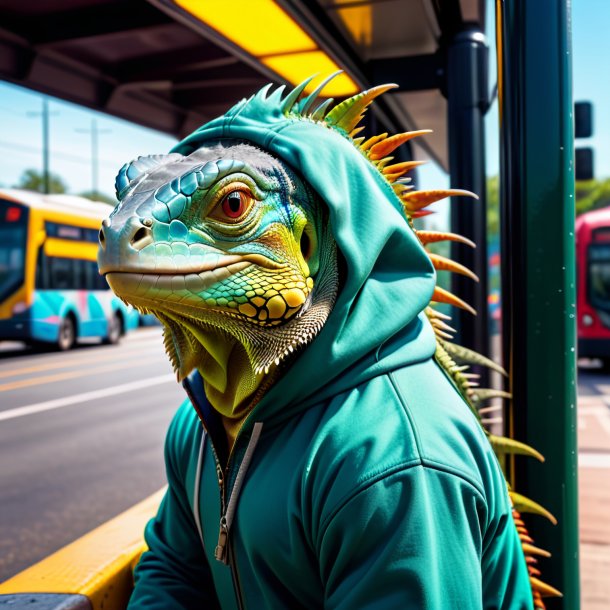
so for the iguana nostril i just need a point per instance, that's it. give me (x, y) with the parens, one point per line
(142, 237)
(102, 238)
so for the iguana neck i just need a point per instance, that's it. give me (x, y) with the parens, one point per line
(231, 385)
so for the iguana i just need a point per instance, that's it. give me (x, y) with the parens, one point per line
(230, 241)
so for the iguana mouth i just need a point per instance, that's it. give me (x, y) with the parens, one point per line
(216, 260)
(250, 287)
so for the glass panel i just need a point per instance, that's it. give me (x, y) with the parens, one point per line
(62, 273)
(599, 276)
(13, 233)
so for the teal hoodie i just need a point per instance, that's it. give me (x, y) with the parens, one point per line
(361, 479)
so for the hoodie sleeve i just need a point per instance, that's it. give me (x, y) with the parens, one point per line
(414, 538)
(174, 572)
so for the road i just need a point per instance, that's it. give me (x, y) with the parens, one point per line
(594, 486)
(72, 455)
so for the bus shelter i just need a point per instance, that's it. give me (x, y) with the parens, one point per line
(173, 64)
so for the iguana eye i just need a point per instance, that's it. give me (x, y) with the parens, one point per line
(232, 207)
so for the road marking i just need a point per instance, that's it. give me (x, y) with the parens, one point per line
(59, 363)
(591, 459)
(24, 383)
(85, 397)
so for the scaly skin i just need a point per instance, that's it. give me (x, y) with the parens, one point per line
(233, 254)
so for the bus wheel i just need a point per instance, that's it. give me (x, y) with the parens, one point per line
(115, 330)
(67, 334)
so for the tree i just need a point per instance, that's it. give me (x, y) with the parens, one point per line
(592, 194)
(493, 208)
(33, 180)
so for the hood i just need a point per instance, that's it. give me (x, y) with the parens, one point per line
(388, 280)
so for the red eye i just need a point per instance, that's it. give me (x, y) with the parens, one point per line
(234, 204)
(233, 207)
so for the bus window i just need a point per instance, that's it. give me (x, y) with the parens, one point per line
(599, 276)
(61, 273)
(13, 233)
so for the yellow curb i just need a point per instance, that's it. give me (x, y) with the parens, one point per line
(98, 565)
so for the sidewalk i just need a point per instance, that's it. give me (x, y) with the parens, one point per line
(594, 490)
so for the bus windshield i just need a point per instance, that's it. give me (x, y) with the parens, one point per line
(13, 231)
(599, 276)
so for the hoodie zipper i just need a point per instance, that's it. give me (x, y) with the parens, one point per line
(224, 551)
(224, 548)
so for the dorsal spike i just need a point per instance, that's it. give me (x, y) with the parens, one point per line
(276, 96)
(387, 146)
(442, 263)
(349, 113)
(320, 112)
(544, 589)
(308, 102)
(264, 90)
(402, 168)
(355, 132)
(433, 313)
(442, 325)
(529, 549)
(441, 333)
(441, 295)
(372, 141)
(400, 189)
(358, 141)
(419, 213)
(290, 100)
(420, 199)
(431, 237)
(383, 162)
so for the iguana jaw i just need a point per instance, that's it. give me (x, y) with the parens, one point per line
(270, 322)
(266, 294)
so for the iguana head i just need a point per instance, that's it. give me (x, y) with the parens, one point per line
(230, 249)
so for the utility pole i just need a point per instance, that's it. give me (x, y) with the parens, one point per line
(46, 181)
(94, 130)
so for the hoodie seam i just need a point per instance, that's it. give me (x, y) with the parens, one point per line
(402, 467)
(426, 461)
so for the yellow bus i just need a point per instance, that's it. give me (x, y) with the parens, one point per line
(50, 288)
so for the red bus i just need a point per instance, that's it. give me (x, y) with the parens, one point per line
(593, 288)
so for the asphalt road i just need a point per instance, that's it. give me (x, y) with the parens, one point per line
(81, 440)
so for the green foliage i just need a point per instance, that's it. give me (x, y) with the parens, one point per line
(493, 208)
(592, 194)
(32, 180)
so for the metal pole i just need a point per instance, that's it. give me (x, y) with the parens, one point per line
(45, 146)
(538, 293)
(467, 101)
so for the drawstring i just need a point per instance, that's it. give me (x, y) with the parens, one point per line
(196, 513)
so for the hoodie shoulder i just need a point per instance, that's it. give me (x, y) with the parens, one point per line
(407, 418)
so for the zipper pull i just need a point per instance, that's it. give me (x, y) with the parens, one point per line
(220, 553)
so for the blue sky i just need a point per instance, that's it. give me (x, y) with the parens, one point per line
(21, 134)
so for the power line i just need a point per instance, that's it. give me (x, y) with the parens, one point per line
(35, 150)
